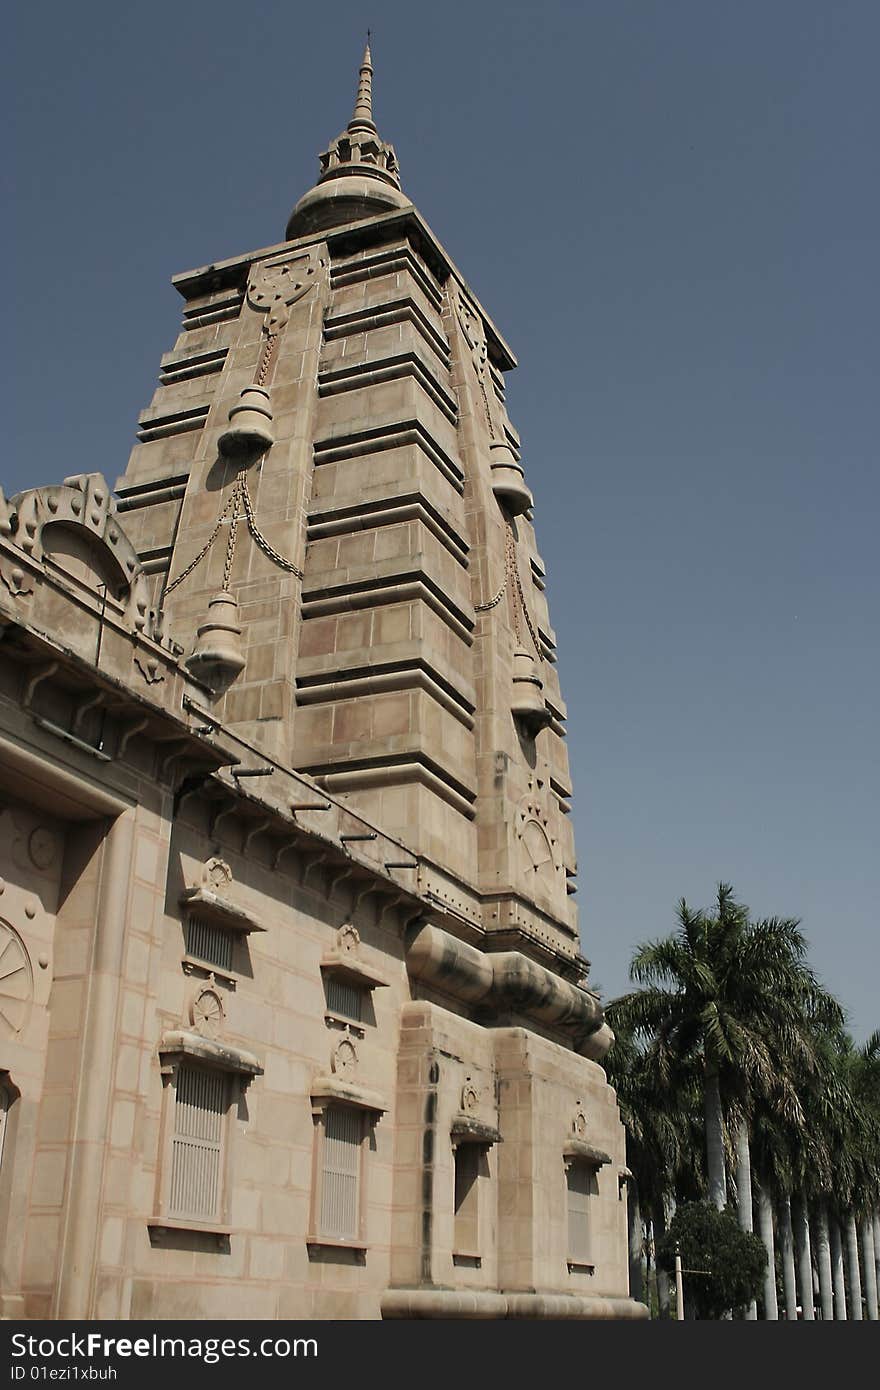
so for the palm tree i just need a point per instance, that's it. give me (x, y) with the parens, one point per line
(731, 994)
(656, 1109)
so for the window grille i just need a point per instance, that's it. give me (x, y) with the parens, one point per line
(580, 1181)
(343, 1132)
(196, 1151)
(343, 998)
(208, 942)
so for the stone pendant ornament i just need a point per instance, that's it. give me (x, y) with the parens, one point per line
(508, 479)
(528, 705)
(218, 657)
(250, 424)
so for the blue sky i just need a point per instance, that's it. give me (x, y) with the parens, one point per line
(671, 211)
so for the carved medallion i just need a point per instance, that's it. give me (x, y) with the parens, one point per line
(207, 1013)
(533, 832)
(579, 1124)
(470, 1100)
(348, 939)
(16, 982)
(42, 847)
(216, 875)
(344, 1059)
(275, 286)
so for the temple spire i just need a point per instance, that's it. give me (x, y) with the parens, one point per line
(359, 170)
(363, 105)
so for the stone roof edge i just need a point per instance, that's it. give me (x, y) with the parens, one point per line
(220, 274)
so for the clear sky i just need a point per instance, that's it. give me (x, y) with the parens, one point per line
(671, 211)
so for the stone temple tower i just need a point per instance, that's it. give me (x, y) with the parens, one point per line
(329, 493)
(293, 1017)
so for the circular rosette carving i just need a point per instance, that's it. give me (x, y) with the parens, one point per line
(42, 847)
(16, 982)
(344, 1059)
(207, 1013)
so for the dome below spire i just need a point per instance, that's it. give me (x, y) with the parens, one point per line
(359, 170)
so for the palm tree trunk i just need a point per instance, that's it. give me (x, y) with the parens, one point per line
(744, 1194)
(870, 1268)
(837, 1273)
(823, 1260)
(765, 1224)
(805, 1262)
(636, 1244)
(786, 1247)
(663, 1299)
(715, 1142)
(876, 1221)
(855, 1281)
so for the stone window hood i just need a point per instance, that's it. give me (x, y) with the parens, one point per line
(338, 1090)
(466, 1130)
(579, 1152)
(182, 1043)
(220, 910)
(347, 967)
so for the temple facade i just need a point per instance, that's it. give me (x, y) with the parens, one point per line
(294, 1021)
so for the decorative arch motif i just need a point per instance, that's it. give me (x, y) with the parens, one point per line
(83, 506)
(16, 982)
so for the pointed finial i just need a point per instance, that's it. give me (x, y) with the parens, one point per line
(363, 105)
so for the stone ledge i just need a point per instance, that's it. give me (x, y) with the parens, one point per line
(476, 1304)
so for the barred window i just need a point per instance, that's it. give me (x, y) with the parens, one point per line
(344, 998)
(208, 942)
(197, 1143)
(341, 1172)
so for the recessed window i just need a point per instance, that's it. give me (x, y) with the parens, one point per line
(582, 1186)
(197, 1143)
(470, 1159)
(208, 942)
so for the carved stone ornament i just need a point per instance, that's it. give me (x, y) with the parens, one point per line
(216, 875)
(470, 1099)
(533, 832)
(344, 1059)
(13, 576)
(84, 503)
(275, 286)
(42, 847)
(150, 668)
(348, 939)
(16, 982)
(475, 334)
(579, 1124)
(206, 1013)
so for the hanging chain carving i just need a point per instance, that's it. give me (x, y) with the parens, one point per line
(239, 497)
(512, 579)
(273, 288)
